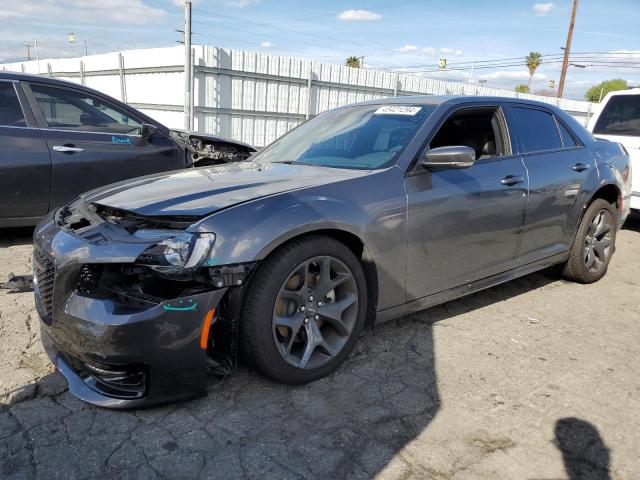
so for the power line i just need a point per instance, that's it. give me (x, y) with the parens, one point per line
(280, 27)
(550, 58)
(269, 36)
(603, 63)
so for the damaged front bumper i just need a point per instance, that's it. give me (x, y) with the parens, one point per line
(117, 352)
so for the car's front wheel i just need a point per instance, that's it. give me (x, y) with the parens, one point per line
(593, 245)
(304, 310)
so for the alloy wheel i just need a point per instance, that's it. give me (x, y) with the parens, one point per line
(598, 241)
(315, 312)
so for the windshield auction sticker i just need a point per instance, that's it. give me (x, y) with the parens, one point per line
(397, 110)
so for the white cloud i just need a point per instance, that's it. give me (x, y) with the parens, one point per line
(542, 9)
(430, 51)
(359, 16)
(231, 3)
(512, 75)
(85, 11)
(242, 3)
(451, 51)
(407, 48)
(267, 45)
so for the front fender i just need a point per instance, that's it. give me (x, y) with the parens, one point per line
(251, 231)
(369, 208)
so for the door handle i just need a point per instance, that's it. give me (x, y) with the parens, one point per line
(511, 180)
(67, 149)
(580, 167)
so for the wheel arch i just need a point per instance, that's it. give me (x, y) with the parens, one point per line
(609, 192)
(354, 243)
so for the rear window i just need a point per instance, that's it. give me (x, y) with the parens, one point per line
(620, 116)
(10, 112)
(537, 130)
(567, 139)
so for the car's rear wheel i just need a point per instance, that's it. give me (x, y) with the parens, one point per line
(304, 310)
(593, 245)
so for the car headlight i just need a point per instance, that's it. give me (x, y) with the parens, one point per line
(177, 254)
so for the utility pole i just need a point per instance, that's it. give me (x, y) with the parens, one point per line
(35, 45)
(187, 65)
(567, 48)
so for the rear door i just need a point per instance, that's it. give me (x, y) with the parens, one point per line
(558, 165)
(25, 166)
(94, 141)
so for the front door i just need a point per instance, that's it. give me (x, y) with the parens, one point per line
(466, 224)
(25, 166)
(93, 142)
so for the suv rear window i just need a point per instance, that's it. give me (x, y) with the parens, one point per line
(620, 116)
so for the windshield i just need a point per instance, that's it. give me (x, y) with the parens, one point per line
(620, 116)
(362, 137)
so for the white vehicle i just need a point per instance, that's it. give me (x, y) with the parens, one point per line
(618, 119)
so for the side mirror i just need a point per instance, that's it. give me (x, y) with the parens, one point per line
(147, 130)
(449, 157)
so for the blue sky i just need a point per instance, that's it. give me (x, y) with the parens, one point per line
(400, 35)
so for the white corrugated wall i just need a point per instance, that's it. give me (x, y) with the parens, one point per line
(253, 97)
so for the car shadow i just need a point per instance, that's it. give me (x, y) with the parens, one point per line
(350, 424)
(632, 222)
(15, 236)
(585, 455)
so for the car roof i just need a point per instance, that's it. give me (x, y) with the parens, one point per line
(454, 100)
(26, 77)
(628, 91)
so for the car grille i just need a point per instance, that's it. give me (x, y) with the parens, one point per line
(44, 270)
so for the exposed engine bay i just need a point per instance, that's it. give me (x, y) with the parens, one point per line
(135, 287)
(204, 150)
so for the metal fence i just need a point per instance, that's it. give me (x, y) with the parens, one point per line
(253, 97)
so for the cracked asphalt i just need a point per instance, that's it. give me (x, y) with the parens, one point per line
(534, 379)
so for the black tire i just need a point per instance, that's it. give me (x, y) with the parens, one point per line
(258, 338)
(576, 268)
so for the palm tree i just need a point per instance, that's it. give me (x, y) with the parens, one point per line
(353, 62)
(532, 61)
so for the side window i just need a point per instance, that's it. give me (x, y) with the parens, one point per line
(478, 128)
(537, 130)
(10, 111)
(567, 139)
(71, 110)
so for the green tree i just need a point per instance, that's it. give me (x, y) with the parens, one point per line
(353, 62)
(532, 61)
(597, 92)
(522, 88)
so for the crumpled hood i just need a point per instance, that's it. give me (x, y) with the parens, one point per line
(201, 191)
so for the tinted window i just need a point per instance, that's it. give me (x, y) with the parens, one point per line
(477, 128)
(537, 130)
(67, 109)
(10, 111)
(620, 116)
(567, 139)
(360, 137)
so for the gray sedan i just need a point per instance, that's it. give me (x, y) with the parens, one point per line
(363, 214)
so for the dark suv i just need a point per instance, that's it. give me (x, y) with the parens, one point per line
(59, 139)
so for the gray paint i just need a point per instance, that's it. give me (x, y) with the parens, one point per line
(433, 235)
